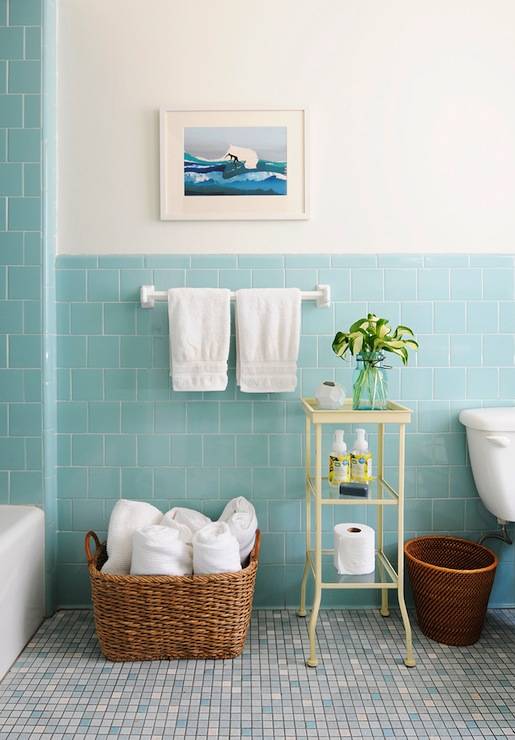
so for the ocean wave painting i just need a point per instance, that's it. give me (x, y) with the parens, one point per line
(235, 160)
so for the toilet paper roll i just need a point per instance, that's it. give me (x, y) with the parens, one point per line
(354, 549)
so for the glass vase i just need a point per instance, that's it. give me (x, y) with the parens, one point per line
(370, 382)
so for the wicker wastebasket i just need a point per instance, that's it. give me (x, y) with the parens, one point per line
(451, 580)
(163, 617)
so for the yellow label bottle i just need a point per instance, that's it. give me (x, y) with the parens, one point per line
(361, 459)
(339, 461)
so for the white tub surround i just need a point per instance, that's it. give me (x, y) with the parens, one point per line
(22, 582)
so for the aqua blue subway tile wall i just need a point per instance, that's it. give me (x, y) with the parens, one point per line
(123, 432)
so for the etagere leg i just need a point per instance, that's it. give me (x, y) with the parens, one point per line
(312, 661)
(385, 611)
(409, 660)
(301, 611)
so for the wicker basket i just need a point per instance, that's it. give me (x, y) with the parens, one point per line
(451, 580)
(162, 617)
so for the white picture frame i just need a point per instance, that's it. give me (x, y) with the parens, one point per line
(290, 202)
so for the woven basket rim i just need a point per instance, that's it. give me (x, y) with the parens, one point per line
(441, 568)
(209, 578)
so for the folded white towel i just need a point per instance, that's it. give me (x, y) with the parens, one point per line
(215, 550)
(162, 551)
(240, 515)
(267, 339)
(126, 518)
(200, 327)
(189, 518)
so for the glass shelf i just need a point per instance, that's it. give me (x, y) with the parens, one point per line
(331, 496)
(384, 576)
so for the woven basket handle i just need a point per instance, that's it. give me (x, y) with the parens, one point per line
(254, 555)
(90, 557)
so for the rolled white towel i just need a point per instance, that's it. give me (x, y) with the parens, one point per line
(126, 518)
(162, 551)
(215, 550)
(190, 518)
(240, 515)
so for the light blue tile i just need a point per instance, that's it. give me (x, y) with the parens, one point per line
(11, 316)
(170, 417)
(418, 316)
(170, 483)
(466, 284)
(154, 385)
(71, 351)
(24, 419)
(400, 284)
(284, 516)
(268, 278)
(161, 352)
(104, 483)
(32, 111)
(103, 416)
(32, 180)
(433, 416)
(136, 352)
(202, 278)
(506, 317)
(498, 284)
(186, 449)
(24, 282)
(235, 279)
(118, 262)
(208, 261)
(202, 486)
(507, 382)
(312, 378)
(433, 284)
(167, 261)
(131, 282)
(419, 515)
(433, 350)
(339, 280)
(449, 383)
(86, 318)
(286, 449)
(462, 482)
(120, 449)
(416, 383)
(12, 453)
(32, 317)
(301, 279)
(483, 316)
(87, 449)
(32, 43)
(308, 350)
(88, 514)
(317, 320)
(269, 416)
(25, 13)
(252, 449)
(449, 516)
(24, 145)
(353, 260)
(153, 449)
(449, 317)
(268, 483)
(432, 482)
(103, 285)
(11, 112)
(137, 484)
(103, 352)
(219, 450)
(70, 285)
(498, 350)
(482, 382)
(24, 351)
(72, 482)
(87, 385)
(120, 385)
(235, 482)
(466, 350)
(367, 285)
(32, 381)
(119, 318)
(446, 260)
(11, 248)
(138, 418)
(166, 279)
(263, 261)
(75, 262)
(273, 548)
(202, 416)
(304, 261)
(491, 260)
(11, 179)
(236, 416)
(26, 487)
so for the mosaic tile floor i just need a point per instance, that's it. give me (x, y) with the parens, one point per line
(62, 688)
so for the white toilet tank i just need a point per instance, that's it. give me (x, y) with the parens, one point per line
(491, 444)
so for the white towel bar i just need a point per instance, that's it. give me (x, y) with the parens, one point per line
(322, 295)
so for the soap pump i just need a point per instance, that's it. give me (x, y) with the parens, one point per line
(339, 461)
(361, 458)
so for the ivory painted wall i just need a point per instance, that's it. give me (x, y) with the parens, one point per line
(412, 119)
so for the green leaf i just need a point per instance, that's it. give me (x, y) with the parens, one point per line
(359, 324)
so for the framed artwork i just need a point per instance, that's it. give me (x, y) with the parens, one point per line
(234, 164)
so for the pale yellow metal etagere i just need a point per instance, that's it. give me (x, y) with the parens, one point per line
(381, 494)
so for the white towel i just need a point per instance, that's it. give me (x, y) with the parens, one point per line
(189, 518)
(240, 515)
(200, 327)
(126, 518)
(215, 550)
(267, 339)
(162, 551)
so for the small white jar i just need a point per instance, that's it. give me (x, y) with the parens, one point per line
(330, 395)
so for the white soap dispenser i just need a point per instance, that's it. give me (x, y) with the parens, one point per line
(361, 458)
(339, 461)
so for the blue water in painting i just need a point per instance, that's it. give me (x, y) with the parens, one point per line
(220, 177)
